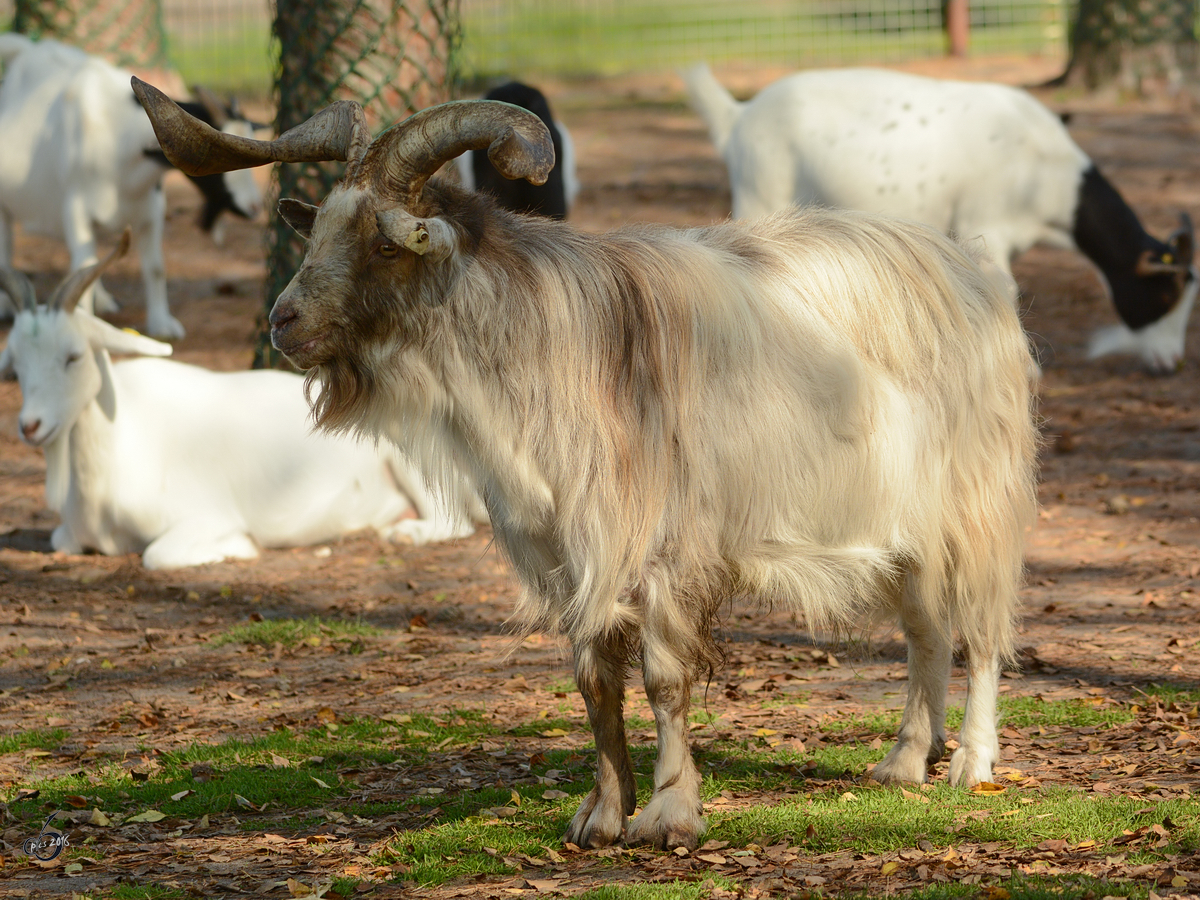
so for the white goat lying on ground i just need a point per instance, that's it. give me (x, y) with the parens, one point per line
(184, 465)
(980, 161)
(78, 156)
(820, 409)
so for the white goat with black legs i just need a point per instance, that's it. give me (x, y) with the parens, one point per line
(984, 162)
(79, 158)
(556, 196)
(188, 466)
(820, 409)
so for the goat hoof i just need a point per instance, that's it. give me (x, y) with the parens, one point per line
(595, 825)
(667, 822)
(968, 767)
(905, 763)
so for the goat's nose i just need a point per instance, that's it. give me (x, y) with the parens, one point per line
(29, 429)
(281, 314)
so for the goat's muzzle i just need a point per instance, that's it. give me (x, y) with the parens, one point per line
(290, 336)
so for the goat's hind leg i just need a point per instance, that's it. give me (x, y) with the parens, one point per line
(603, 814)
(922, 737)
(979, 748)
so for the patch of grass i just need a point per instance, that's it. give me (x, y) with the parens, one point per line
(283, 770)
(291, 632)
(1166, 694)
(671, 890)
(1024, 712)
(875, 819)
(38, 739)
(141, 892)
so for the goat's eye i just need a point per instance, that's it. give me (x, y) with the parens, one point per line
(388, 250)
(73, 358)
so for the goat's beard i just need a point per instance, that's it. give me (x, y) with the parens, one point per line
(343, 394)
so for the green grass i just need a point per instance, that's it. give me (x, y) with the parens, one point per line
(38, 739)
(237, 58)
(583, 39)
(291, 632)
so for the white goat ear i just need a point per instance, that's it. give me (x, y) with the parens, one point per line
(118, 340)
(432, 238)
(299, 215)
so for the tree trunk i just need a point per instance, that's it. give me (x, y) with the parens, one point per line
(394, 57)
(1137, 46)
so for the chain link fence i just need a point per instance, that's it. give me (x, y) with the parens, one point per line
(227, 45)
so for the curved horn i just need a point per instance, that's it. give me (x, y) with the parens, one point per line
(339, 131)
(404, 157)
(19, 288)
(67, 295)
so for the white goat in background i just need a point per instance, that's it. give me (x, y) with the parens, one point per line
(980, 161)
(78, 156)
(184, 465)
(821, 409)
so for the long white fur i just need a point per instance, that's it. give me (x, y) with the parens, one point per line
(72, 165)
(188, 466)
(984, 162)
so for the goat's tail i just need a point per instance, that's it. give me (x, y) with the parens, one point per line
(12, 44)
(715, 105)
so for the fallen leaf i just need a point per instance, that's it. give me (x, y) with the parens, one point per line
(715, 858)
(555, 795)
(99, 819)
(987, 787)
(543, 885)
(554, 733)
(319, 782)
(150, 815)
(76, 801)
(889, 867)
(280, 762)
(182, 794)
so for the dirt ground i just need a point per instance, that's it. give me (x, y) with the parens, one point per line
(1111, 603)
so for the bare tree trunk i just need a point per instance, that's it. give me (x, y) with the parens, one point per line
(1139, 46)
(393, 56)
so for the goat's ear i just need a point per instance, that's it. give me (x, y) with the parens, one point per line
(118, 340)
(299, 215)
(432, 238)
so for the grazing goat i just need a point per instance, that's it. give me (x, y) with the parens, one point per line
(980, 161)
(820, 409)
(79, 157)
(184, 465)
(556, 196)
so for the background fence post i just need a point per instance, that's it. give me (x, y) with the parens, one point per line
(392, 56)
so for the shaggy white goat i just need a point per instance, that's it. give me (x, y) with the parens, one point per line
(824, 410)
(980, 161)
(557, 195)
(79, 157)
(184, 465)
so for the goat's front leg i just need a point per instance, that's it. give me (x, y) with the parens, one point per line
(148, 234)
(601, 818)
(674, 817)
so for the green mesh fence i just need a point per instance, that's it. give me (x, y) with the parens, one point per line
(392, 56)
(127, 32)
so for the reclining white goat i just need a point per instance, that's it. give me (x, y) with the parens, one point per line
(184, 465)
(78, 156)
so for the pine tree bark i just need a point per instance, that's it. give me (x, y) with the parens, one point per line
(1137, 46)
